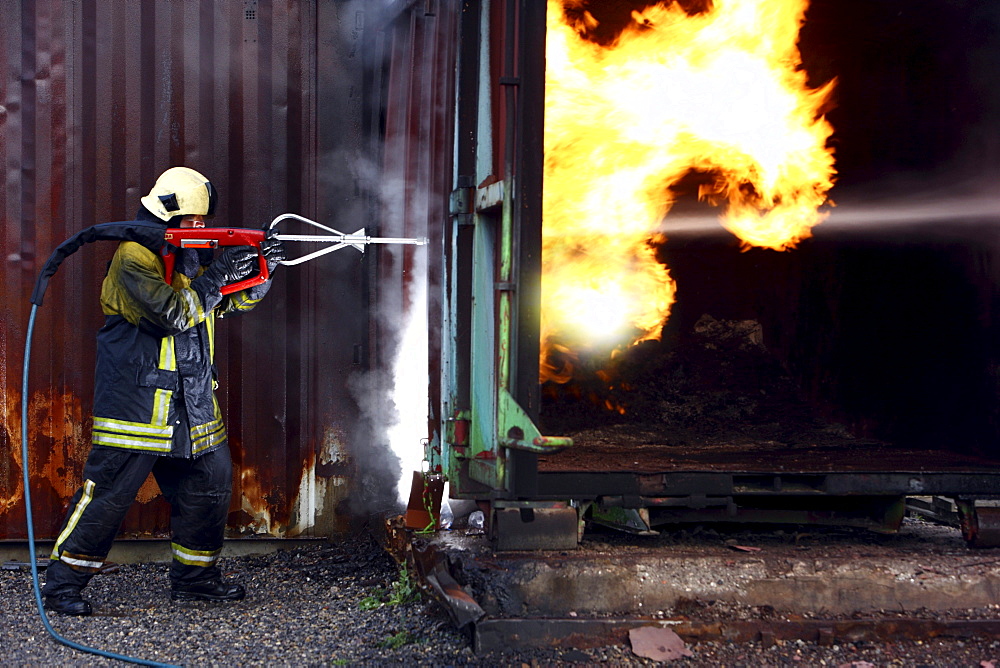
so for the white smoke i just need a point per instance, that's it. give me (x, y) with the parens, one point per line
(410, 371)
(392, 395)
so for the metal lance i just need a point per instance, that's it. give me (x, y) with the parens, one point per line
(336, 238)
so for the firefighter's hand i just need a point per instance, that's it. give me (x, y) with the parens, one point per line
(233, 264)
(274, 252)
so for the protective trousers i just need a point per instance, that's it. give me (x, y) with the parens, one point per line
(198, 491)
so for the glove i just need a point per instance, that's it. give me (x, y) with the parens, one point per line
(233, 264)
(274, 253)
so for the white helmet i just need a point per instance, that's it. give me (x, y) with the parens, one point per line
(181, 191)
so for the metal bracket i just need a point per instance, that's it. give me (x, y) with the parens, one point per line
(457, 429)
(517, 431)
(460, 201)
(490, 196)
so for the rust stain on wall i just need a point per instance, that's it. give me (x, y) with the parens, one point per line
(56, 453)
(10, 454)
(259, 498)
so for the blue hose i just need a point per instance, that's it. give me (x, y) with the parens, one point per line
(31, 528)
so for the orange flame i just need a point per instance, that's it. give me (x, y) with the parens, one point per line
(721, 92)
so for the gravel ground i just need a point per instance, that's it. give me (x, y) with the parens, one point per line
(344, 603)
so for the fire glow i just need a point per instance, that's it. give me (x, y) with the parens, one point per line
(722, 93)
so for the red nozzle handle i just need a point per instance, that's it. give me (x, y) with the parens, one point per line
(214, 237)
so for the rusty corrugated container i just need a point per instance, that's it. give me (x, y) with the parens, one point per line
(265, 98)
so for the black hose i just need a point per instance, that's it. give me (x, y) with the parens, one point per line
(144, 233)
(148, 234)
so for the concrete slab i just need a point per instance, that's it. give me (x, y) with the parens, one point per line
(808, 572)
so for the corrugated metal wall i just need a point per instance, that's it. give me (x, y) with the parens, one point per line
(417, 148)
(98, 97)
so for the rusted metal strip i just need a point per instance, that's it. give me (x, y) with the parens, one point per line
(430, 569)
(525, 633)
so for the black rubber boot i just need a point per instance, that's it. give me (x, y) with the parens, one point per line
(213, 590)
(68, 604)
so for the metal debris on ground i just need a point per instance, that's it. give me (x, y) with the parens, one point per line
(18, 565)
(658, 644)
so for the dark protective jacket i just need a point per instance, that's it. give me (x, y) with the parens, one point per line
(155, 377)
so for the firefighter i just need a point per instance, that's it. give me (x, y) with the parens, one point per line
(155, 409)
